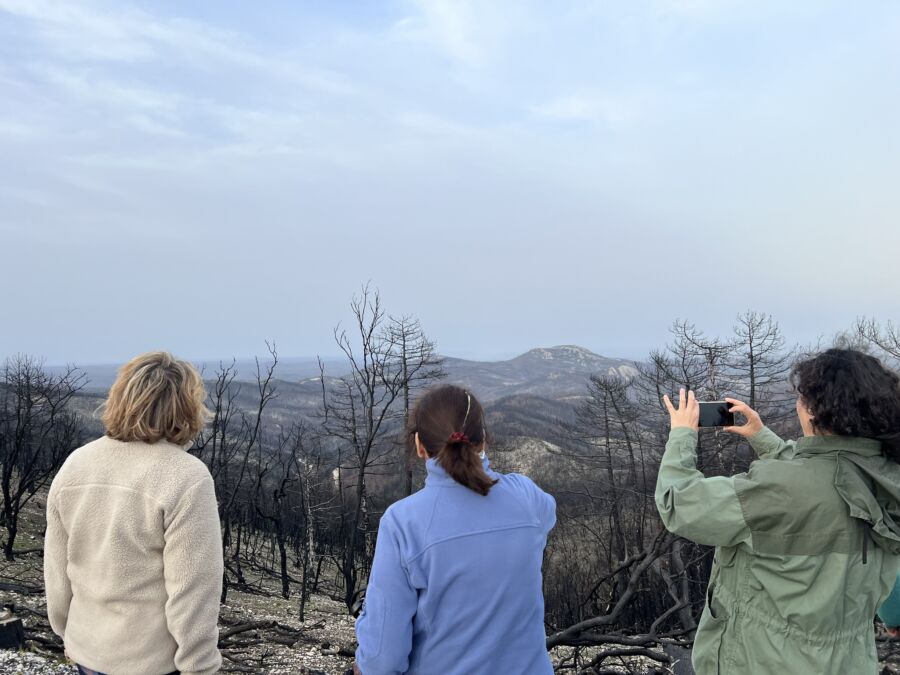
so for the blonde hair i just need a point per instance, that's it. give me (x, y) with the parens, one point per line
(156, 397)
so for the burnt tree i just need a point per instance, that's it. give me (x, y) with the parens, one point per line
(38, 430)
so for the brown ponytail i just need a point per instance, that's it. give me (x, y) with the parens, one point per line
(450, 424)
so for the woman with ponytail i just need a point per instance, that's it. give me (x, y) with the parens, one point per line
(455, 586)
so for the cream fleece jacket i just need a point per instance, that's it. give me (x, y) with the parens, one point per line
(133, 559)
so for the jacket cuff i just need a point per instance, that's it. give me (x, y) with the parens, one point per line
(683, 434)
(765, 441)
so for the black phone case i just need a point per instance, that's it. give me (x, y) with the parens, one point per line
(715, 414)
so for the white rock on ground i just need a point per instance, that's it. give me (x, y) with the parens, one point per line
(28, 663)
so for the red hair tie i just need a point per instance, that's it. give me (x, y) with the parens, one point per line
(459, 437)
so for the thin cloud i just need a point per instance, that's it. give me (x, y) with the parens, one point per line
(611, 111)
(85, 87)
(471, 33)
(78, 33)
(448, 24)
(18, 131)
(703, 9)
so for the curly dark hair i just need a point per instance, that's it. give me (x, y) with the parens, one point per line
(849, 393)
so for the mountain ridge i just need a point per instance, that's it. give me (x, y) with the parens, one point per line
(557, 373)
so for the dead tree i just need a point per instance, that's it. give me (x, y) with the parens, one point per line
(277, 474)
(226, 447)
(599, 631)
(286, 502)
(357, 411)
(759, 362)
(885, 338)
(312, 504)
(598, 426)
(605, 510)
(38, 430)
(420, 366)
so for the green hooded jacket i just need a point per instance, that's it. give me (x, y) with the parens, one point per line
(807, 548)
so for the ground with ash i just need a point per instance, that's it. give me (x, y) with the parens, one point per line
(259, 630)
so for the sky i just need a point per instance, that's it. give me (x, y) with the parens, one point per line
(202, 177)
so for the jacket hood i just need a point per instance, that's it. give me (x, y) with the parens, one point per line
(869, 483)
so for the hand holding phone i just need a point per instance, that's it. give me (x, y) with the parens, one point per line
(687, 414)
(754, 423)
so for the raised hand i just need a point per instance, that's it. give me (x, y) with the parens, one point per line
(687, 414)
(753, 424)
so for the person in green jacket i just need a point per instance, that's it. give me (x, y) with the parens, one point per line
(808, 540)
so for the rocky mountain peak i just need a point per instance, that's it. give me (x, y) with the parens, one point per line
(565, 353)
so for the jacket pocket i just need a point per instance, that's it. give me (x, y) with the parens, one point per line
(707, 653)
(370, 624)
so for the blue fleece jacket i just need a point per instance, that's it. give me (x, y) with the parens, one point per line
(455, 587)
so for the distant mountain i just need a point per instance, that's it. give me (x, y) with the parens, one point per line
(290, 369)
(555, 373)
(523, 396)
(528, 400)
(550, 372)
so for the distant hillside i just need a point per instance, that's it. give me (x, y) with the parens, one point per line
(528, 415)
(524, 397)
(554, 372)
(292, 369)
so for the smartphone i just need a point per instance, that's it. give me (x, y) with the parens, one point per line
(716, 414)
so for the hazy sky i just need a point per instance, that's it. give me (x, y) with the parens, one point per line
(201, 177)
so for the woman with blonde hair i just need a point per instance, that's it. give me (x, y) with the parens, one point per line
(133, 554)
